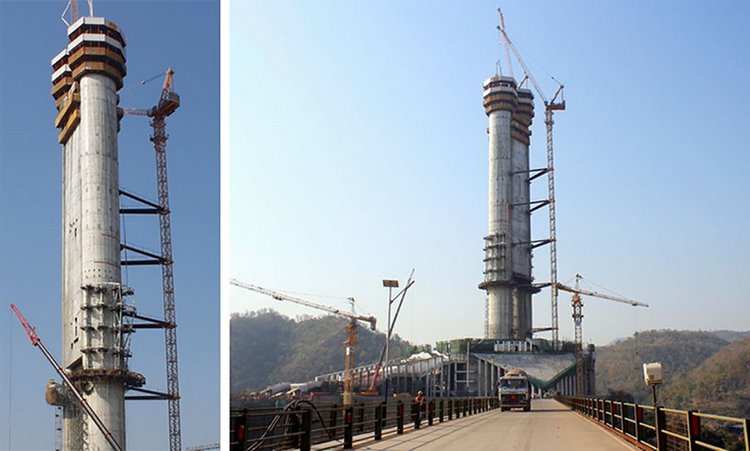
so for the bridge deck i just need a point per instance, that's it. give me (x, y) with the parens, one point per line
(549, 426)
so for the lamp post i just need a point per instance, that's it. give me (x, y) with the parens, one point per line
(390, 284)
(653, 375)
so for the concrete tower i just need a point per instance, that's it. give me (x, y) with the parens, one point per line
(86, 77)
(507, 275)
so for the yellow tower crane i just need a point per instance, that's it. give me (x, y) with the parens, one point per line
(577, 291)
(351, 330)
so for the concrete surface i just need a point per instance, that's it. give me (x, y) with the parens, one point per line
(549, 426)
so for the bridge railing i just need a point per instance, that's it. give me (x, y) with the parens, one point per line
(662, 428)
(301, 424)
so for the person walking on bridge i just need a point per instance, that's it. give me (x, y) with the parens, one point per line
(419, 401)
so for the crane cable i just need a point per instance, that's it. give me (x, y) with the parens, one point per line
(602, 287)
(312, 295)
(142, 82)
(323, 296)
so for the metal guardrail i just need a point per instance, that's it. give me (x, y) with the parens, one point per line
(661, 428)
(301, 424)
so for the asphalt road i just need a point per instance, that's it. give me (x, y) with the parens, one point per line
(548, 426)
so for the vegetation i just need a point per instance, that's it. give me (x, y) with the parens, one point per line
(267, 348)
(731, 335)
(720, 384)
(619, 395)
(702, 371)
(619, 367)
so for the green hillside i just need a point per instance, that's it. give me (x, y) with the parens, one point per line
(721, 384)
(267, 348)
(619, 367)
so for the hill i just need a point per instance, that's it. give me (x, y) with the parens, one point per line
(267, 347)
(731, 335)
(721, 384)
(619, 367)
(726, 335)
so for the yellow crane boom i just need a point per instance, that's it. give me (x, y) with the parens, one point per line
(577, 291)
(284, 297)
(597, 294)
(351, 329)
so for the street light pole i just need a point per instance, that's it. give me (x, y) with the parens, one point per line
(390, 284)
(388, 342)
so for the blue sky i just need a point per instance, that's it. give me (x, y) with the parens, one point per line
(184, 35)
(358, 151)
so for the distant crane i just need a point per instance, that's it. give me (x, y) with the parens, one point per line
(577, 291)
(351, 330)
(36, 341)
(550, 106)
(168, 102)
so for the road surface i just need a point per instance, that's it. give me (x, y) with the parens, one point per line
(549, 426)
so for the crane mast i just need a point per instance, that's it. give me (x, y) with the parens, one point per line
(577, 291)
(549, 107)
(168, 102)
(351, 329)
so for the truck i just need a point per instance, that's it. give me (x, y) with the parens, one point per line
(514, 391)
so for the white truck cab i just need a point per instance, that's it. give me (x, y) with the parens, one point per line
(514, 391)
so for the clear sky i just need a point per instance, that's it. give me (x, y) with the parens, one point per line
(358, 152)
(184, 35)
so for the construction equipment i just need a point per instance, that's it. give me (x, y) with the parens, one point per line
(36, 341)
(168, 102)
(71, 8)
(577, 291)
(550, 106)
(351, 329)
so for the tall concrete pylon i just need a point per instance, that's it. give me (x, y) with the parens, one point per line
(86, 77)
(507, 275)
